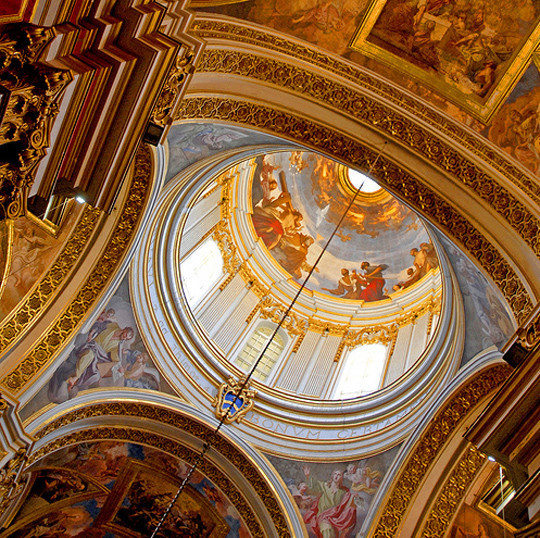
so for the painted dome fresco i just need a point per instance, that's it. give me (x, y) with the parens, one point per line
(225, 277)
(298, 199)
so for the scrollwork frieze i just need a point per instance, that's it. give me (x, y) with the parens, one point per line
(452, 493)
(215, 29)
(174, 87)
(275, 311)
(32, 95)
(383, 334)
(404, 184)
(11, 483)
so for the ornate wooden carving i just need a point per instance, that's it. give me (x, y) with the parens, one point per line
(29, 96)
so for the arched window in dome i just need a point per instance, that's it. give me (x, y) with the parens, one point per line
(362, 371)
(201, 270)
(253, 347)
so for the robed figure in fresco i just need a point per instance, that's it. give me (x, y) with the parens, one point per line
(366, 285)
(333, 515)
(88, 362)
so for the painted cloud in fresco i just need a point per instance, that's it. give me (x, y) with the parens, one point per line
(297, 201)
(191, 142)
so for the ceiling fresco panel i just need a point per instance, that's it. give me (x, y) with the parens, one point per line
(471, 52)
(297, 200)
(516, 126)
(114, 488)
(337, 495)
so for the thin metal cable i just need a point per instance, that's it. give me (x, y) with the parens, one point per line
(208, 444)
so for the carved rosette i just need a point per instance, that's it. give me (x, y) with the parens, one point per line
(30, 93)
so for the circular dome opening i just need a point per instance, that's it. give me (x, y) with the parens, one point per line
(336, 358)
(362, 182)
(349, 332)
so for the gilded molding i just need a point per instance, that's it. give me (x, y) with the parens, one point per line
(33, 92)
(11, 484)
(425, 453)
(374, 334)
(254, 285)
(170, 447)
(529, 335)
(166, 416)
(6, 251)
(216, 29)
(391, 122)
(221, 235)
(174, 87)
(418, 195)
(449, 498)
(274, 311)
(14, 325)
(65, 326)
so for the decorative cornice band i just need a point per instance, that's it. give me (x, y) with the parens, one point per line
(166, 416)
(338, 145)
(219, 29)
(386, 120)
(424, 454)
(65, 326)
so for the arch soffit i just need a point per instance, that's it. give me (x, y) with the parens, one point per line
(440, 438)
(450, 183)
(180, 435)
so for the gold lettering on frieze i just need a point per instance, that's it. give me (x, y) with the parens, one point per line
(431, 442)
(350, 101)
(13, 326)
(59, 332)
(387, 173)
(231, 31)
(452, 493)
(166, 416)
